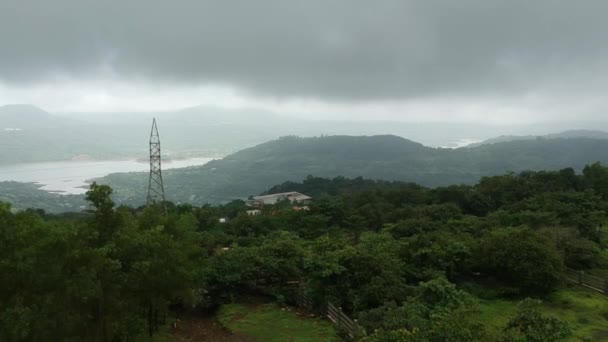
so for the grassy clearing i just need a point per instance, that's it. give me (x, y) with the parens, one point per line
(268, 323)
(586, 311)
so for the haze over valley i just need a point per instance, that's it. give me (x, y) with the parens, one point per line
(63, 153)
(280, 170)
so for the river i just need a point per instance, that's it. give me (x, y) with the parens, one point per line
(70, 177)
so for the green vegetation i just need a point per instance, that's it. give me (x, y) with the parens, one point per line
(390, 158)
(482, 262)
(585, 312)
(575, 133)
(254, 170)
(28, 195)
(269, 323)
(107, 276)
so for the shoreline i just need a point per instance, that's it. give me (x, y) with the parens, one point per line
(72, 176)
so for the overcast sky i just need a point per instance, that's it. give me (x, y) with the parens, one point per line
(493, 61)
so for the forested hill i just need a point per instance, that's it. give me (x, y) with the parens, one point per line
(386, 157)
(575, 133)
(411, 264)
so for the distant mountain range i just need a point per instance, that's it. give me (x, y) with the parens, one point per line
(30, 134)
(23, 115)
(577, 133)
(254, 170)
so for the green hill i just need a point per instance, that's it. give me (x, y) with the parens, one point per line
(574, 133)
(386, 157)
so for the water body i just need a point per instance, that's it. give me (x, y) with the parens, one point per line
(70, 177)
(460, 143)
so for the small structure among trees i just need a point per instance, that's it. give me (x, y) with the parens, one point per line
(298, 200)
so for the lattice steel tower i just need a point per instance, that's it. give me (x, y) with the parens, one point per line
(156, 189)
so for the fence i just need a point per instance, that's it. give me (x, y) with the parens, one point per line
(588, 281)
(343, 322)
(303, 301)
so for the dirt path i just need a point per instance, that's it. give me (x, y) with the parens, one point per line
(204, 329)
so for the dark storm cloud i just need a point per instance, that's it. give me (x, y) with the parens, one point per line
(324, 49)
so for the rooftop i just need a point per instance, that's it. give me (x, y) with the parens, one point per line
(274, 198)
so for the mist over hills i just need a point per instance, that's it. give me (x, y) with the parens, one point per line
(386, 157)
(30, 134)
(17, 115)
(254, 170)
(257, 159)
(574, 133)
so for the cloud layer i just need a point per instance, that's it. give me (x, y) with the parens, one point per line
(344, 51)
(492, 61)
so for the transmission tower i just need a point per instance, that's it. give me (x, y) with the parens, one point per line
(156, 189)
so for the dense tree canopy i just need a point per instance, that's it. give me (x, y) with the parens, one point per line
(397, 256)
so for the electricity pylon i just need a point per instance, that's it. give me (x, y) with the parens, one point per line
(156, 189)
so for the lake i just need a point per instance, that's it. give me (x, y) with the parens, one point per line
(69, 177)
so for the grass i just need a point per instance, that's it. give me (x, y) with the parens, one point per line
(269, 322)
(586, 311)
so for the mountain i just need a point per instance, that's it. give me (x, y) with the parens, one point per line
(579, 133)
(575, 133)
(253, 170)
(30, 134)
(22, 116)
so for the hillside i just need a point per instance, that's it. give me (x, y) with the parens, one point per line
(30, 134)
(22, 116)
(481, 262)
(575, 133)
(386, 157)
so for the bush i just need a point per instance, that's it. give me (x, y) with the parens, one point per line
(522, 259)
(531, 326)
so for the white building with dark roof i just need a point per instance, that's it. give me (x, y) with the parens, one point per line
(293, 197)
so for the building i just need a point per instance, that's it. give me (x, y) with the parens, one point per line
(254, 212)
(293, 197)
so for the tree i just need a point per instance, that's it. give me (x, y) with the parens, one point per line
(105, 219)
(531, 326)
(281, 259)
(326, 268)
(437, 253)
(437, 311)
(376, 272)
(522, 259)
(595, 177)
(581, 253)
(232, 272)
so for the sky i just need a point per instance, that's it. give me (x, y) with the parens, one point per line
(491, 61)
